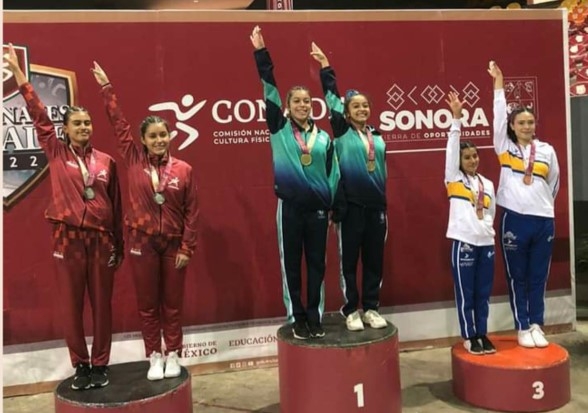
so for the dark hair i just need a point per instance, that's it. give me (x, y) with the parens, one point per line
(511, 117)
(70, 110)
(150, 120)
(350, 94)
(465, 145)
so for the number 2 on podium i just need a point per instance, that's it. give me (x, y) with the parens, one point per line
(358, 388)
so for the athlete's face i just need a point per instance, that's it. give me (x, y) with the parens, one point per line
(78, 128)
(156, 139)
(469, 160)
(523, 126)
(358, 110)
(299, 106)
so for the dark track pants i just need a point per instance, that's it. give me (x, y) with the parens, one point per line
(300, 230)
(473, 275)
(160, 290)
(362, 230)
(81, 260)
(527, 243)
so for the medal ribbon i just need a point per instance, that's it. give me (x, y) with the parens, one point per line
(88, 176)
(480, 197)
(159, 186)
(368, 143)
(306, 148)
(529, 168)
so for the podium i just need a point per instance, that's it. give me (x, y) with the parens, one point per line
(343, 372)
(514, 379)
(128, 391)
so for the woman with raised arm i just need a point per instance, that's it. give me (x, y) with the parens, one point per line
(360, 208)
(86, 213)
(529, 181)
(305, 177)
(162, 222)
(471, 219)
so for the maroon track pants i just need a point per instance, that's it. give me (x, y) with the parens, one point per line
(81, 259)
(160, 289)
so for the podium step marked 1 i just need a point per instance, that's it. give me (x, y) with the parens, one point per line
(514, 379)
(129, 391)
(343, 372)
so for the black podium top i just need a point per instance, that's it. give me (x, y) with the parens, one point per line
(128, 383)
(337, 335)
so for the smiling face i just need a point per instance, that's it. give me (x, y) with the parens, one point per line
(523, 126)
(156, 138)
(358, 110)
(469, 160)
(78, 128)
(299, 105)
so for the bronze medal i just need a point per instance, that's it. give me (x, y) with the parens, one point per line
(89, 193)
(159, 198)
(528, 179)
(480, 213)
(306, 159)
(371, 165)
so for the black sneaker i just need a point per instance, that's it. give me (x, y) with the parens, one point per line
(300, 330)
(99, 376)
(82, 380)
(316, 330)
(487, 345)
(473, 346)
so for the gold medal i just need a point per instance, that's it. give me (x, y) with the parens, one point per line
(306, 159)
(528, 179)
(89, 193)
(159, 198)
(371, 165)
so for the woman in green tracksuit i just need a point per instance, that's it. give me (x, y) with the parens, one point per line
(361, 214)
(306, 175)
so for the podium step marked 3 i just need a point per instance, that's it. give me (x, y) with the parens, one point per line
(514, 379)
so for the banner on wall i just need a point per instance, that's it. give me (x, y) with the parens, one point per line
(211, 96)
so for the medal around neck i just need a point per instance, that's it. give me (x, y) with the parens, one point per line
(306, 159)
(528, 179)
(371, 165)
(159, 198)
(89, 193)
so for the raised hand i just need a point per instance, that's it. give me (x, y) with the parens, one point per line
(99, 74)
(454, 104)
(11, 63)
(494, 70)
(257, 38)
(319, 56)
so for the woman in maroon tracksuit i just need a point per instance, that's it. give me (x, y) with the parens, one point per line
(85, 210)
(162, 221)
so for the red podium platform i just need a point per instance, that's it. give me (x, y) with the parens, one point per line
(129, 391)
(514, 379)
(343, 372)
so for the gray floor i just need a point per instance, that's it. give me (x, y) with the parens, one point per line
(426, 385)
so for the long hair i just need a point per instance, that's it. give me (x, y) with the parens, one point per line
(291, 92)
(465, 145)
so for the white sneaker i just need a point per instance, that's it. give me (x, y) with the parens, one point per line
(156, 370)
(538, 336)
(374, 319)
(353, 322)
(526, 339)
(172, 365)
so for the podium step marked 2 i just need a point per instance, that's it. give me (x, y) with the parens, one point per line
(129, 391)
(343, 372)
(514, 379)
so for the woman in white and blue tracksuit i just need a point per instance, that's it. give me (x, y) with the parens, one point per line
(306, 175)
(529, 182)
(470, 227)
